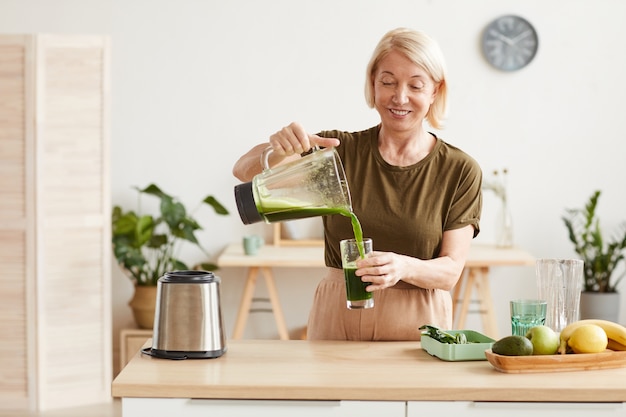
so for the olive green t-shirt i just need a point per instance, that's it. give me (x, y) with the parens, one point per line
(404, 209)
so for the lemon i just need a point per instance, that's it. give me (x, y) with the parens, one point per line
(588, 338)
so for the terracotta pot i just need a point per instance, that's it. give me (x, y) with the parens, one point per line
(143, 305)
(597, 305)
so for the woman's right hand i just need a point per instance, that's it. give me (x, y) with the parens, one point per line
(293, 139)
(287, 144)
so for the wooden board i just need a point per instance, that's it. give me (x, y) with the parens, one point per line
(556, 363)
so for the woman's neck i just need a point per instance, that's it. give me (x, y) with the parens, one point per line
(401, 149)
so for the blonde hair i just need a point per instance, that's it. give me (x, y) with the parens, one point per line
(423, 51)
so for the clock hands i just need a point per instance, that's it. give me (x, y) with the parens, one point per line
(509, 41)
(500, 36)
(521, 36)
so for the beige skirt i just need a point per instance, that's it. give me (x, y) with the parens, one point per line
(397, 314)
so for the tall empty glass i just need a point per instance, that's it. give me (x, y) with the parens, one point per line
(559, 282)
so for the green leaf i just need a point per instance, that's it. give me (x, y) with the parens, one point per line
(144, 230)
(124, 224)
(116, 213)
(207, 266)
(152, 189)
(438, 334)
(178, 265)
(173, 212)
(186, 230)
(156, 241)
(211, 201)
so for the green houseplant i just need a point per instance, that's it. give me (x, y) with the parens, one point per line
(146, 246)
(601, 257)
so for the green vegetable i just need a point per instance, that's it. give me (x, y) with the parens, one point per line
(444, 337)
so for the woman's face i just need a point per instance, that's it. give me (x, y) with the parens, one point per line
(403, 93)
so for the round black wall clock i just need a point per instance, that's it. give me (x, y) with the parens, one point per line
(509, 43)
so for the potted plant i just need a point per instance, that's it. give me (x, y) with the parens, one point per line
(601, 257)
(147, 246)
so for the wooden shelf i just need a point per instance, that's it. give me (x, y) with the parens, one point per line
(131, 340)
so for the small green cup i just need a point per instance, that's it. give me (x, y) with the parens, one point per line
(252, 244)
(526, 314)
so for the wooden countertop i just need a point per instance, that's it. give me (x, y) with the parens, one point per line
(398, 371)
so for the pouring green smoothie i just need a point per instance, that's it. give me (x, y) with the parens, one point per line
(277, 210)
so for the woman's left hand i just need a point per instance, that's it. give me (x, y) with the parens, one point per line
(384, 269)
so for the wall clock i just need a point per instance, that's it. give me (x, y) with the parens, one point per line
(509, 43)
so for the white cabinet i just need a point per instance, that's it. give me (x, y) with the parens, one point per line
(168, 407)
(514, 409)
(185, 407)
(55, 245)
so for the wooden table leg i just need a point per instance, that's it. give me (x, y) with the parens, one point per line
(477, 278)
(490, 326)
(246, 302)
(467, 297)
(278, 311)
(456, 294)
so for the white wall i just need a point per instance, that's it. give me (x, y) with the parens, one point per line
(196, 83)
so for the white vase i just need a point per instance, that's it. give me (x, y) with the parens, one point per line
(504, 226)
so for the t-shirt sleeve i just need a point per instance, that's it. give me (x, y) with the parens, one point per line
(467, 203)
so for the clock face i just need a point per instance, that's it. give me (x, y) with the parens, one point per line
(509, 43)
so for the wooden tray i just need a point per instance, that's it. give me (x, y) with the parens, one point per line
(556, 363)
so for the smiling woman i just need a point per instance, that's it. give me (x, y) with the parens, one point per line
(427, 191)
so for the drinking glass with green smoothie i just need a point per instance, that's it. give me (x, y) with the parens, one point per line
(351, 251)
